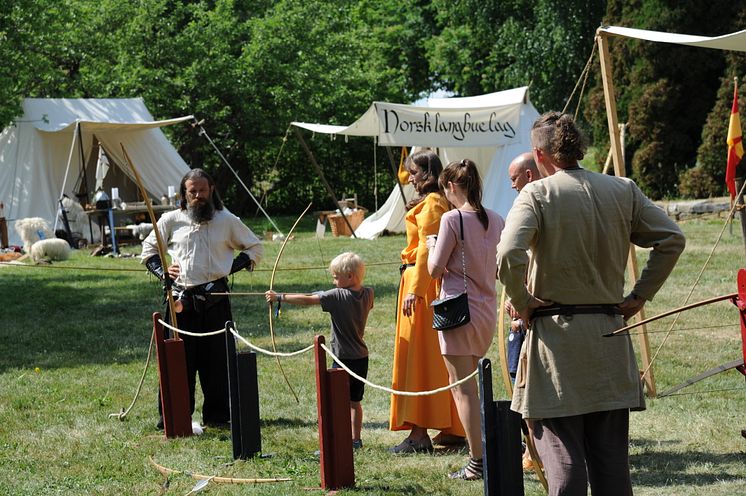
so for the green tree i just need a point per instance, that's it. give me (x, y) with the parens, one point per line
(664, 91)
(491, 45)
(35, 50)
(712, 153)
(246, 67)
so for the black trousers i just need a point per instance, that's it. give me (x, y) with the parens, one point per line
(206, 357)
(582, 449)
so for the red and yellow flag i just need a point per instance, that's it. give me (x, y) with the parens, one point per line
(735, 146)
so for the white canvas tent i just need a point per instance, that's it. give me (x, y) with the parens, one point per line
(489, 129)
(42, 152)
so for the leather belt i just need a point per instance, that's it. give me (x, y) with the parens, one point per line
(404, 266)
(569, 310)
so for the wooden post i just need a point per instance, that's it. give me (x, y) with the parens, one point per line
(741, 283)
(177, 417)
(741, 208)
(323, 179)
(395, 171)
(243, 388)
(3, 233)
(501, 440)
(619, 169)
(335, 428)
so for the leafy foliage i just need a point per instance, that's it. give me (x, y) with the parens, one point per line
(250, 67)
(712, 152)
(664, 92)
(487, 46)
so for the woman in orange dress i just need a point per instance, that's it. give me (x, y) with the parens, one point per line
(418, 364)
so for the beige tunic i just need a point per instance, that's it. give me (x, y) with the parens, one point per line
(579, 225)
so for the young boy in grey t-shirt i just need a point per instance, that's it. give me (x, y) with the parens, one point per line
(348, 305)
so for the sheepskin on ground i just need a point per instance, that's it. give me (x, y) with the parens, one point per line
(50, 249)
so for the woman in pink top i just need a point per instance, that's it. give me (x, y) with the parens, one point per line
(462, 347)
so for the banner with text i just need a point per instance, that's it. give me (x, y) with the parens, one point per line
(402, 125)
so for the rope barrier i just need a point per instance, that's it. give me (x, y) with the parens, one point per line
(270, 353)
(143, 270)
(123, 413)
(71, 267)
(333, 356)
(193, 334)
(395, 391)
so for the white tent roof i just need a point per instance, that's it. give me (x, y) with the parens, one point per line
(475, 120)
(490, 129)
(34, 151)
(734, 41)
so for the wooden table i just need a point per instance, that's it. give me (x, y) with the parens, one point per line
(100, 216)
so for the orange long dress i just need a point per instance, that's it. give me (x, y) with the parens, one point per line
(418, 364)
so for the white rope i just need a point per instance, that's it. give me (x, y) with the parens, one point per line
(267, 352)
(334, 357)
(193, 334)
(395, 391)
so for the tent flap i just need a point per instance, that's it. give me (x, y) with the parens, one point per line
(483, 120)
(34, 151)
(733, 41)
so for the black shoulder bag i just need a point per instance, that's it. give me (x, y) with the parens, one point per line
(453, 311)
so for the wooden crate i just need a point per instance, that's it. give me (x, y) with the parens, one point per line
(339, 226)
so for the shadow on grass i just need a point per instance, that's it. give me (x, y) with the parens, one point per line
(68, 318)
(63, 319)
(405, 488)
(287, 422)
(660, 468)
(294, 422)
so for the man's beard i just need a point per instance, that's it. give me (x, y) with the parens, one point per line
(202, 211)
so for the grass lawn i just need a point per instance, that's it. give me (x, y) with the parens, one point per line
(74, 343)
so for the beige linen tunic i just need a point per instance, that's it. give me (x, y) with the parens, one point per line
(579, 225)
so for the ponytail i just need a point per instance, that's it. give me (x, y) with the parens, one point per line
(466, 175)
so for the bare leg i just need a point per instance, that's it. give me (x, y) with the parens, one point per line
(466, 397)
(417, 433)
(356, 418)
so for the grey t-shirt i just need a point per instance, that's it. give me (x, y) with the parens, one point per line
(349, 313)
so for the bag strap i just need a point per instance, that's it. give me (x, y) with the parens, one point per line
(463, 258)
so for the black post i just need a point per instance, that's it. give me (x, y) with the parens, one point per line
(501, 440)
(248, 397)
(66, 224)
(243, 390)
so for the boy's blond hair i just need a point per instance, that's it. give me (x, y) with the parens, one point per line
(348, 263)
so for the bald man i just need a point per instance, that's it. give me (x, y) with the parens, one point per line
(522, 170)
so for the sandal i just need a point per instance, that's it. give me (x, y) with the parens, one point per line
(473, 470)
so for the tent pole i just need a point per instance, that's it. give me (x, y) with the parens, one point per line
(67, 171)
(323, 179)
(619, 169)
(375, 172)
(202, 132)
(395, 172)
(83, 191)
